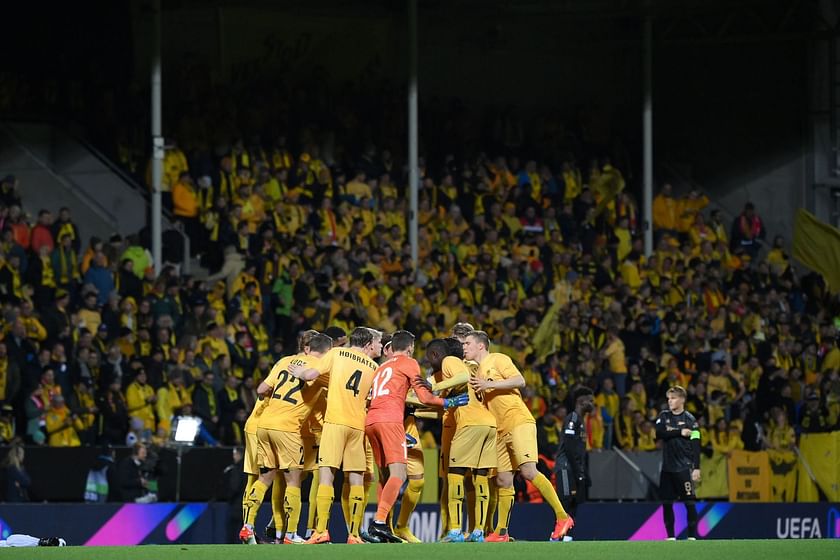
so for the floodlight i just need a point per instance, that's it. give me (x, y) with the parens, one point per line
(185, 430)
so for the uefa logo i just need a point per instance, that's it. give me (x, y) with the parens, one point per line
(833, 528)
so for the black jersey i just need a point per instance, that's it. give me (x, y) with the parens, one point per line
(572, 446)
(679, 453)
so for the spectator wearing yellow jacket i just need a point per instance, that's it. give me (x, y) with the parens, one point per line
(689, 207)
(62, 425)
(140, 399)
(666, 210)
(170, 399)
(186, 202)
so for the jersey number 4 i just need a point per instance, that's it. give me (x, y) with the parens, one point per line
(296, 387)
(353, 382)
(382, 378)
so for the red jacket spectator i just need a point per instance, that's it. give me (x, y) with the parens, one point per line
(41, 235)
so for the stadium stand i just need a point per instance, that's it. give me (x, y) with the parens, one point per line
(309, 231)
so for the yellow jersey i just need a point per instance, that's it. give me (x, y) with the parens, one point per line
(505, 404)
(448, 419)
(291, 399)
(474, 413)
(314, 425)
(253, 421)
(350, 378)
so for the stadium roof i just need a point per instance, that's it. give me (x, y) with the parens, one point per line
(678, 20)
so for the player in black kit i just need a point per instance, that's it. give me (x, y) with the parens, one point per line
(680, 436)
(570, 463)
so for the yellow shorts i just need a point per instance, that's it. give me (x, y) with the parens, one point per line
(310, 452)
(473, 447)
(415, 463)
(342, 447)
(370, 460)
(516, 447)
(251, 463)
(446, 436)
(279, 450)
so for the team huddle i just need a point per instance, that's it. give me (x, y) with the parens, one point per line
(332, 407)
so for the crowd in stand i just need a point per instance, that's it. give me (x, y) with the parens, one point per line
(100, 348)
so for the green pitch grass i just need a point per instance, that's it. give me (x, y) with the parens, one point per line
(699, 550)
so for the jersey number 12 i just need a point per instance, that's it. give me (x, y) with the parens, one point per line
(382, 378)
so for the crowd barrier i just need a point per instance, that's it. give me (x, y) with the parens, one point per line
(213, 523)
(811, 475)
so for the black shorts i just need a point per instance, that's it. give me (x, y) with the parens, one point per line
(675, 486)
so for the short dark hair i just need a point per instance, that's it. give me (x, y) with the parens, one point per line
(335, 332)
(320, 343)
(481, 337)
(362, 336)
(583, 392)
(401, 341)
(454, 347)
(438, 346)
(386, 339)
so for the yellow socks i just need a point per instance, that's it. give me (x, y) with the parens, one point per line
(313, 501)
(278, 510)
(291, 504)
(491, 507)
(549, 495)
(456, 500)
(253, 501)
(410, 499)
(324, 501)
(444, 506)
(345, 503)
(252, 478)
(357, 509)
(505, 506)
(469, 493)
(482, 496)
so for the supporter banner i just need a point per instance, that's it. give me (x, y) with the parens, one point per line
(749, 476)
(197, 523)
(629, 476)
(817, 246)
(714, 482)
(820, 455)
(784, 468)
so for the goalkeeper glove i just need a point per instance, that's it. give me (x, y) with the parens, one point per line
(456, 401)
(410, 441)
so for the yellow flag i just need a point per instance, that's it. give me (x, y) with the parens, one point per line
(714, 483)
(817, 246)
(821, 452)
(543, 342)
(606, 189)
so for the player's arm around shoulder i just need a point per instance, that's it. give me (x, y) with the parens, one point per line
(267, 385)
(454, 373)
(509, 376)
(309, 373)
